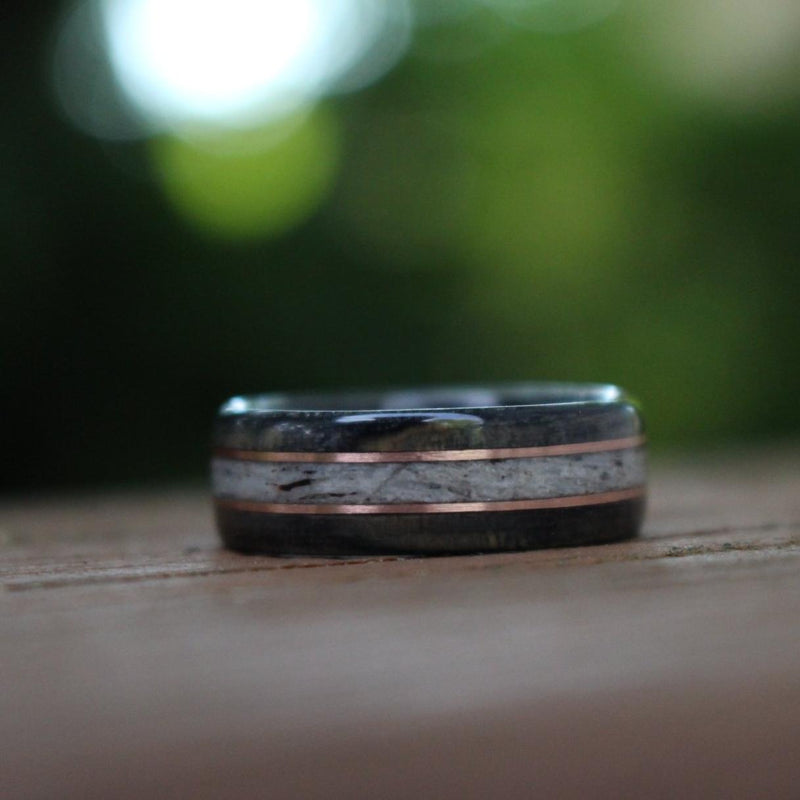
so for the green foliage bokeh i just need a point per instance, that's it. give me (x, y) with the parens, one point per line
(504, 205)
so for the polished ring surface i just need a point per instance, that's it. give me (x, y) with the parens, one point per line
(429, 471)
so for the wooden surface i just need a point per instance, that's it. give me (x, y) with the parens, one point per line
(140, 660)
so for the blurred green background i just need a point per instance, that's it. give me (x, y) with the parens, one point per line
(577, 190)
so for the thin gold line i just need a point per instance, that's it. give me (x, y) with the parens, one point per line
(570, 501)
(577, 448)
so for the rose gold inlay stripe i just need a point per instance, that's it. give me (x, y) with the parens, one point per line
(433, 508)
(577, 448)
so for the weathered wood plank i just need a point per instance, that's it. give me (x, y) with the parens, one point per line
(140, 659)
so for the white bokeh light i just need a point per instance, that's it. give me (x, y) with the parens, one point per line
(233, 62)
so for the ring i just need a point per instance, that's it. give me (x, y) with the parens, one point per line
(431, 471)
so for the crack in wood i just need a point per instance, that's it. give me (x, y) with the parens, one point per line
(646, 549)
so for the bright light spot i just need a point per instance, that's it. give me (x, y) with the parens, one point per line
(238, 61)
(235, 406)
